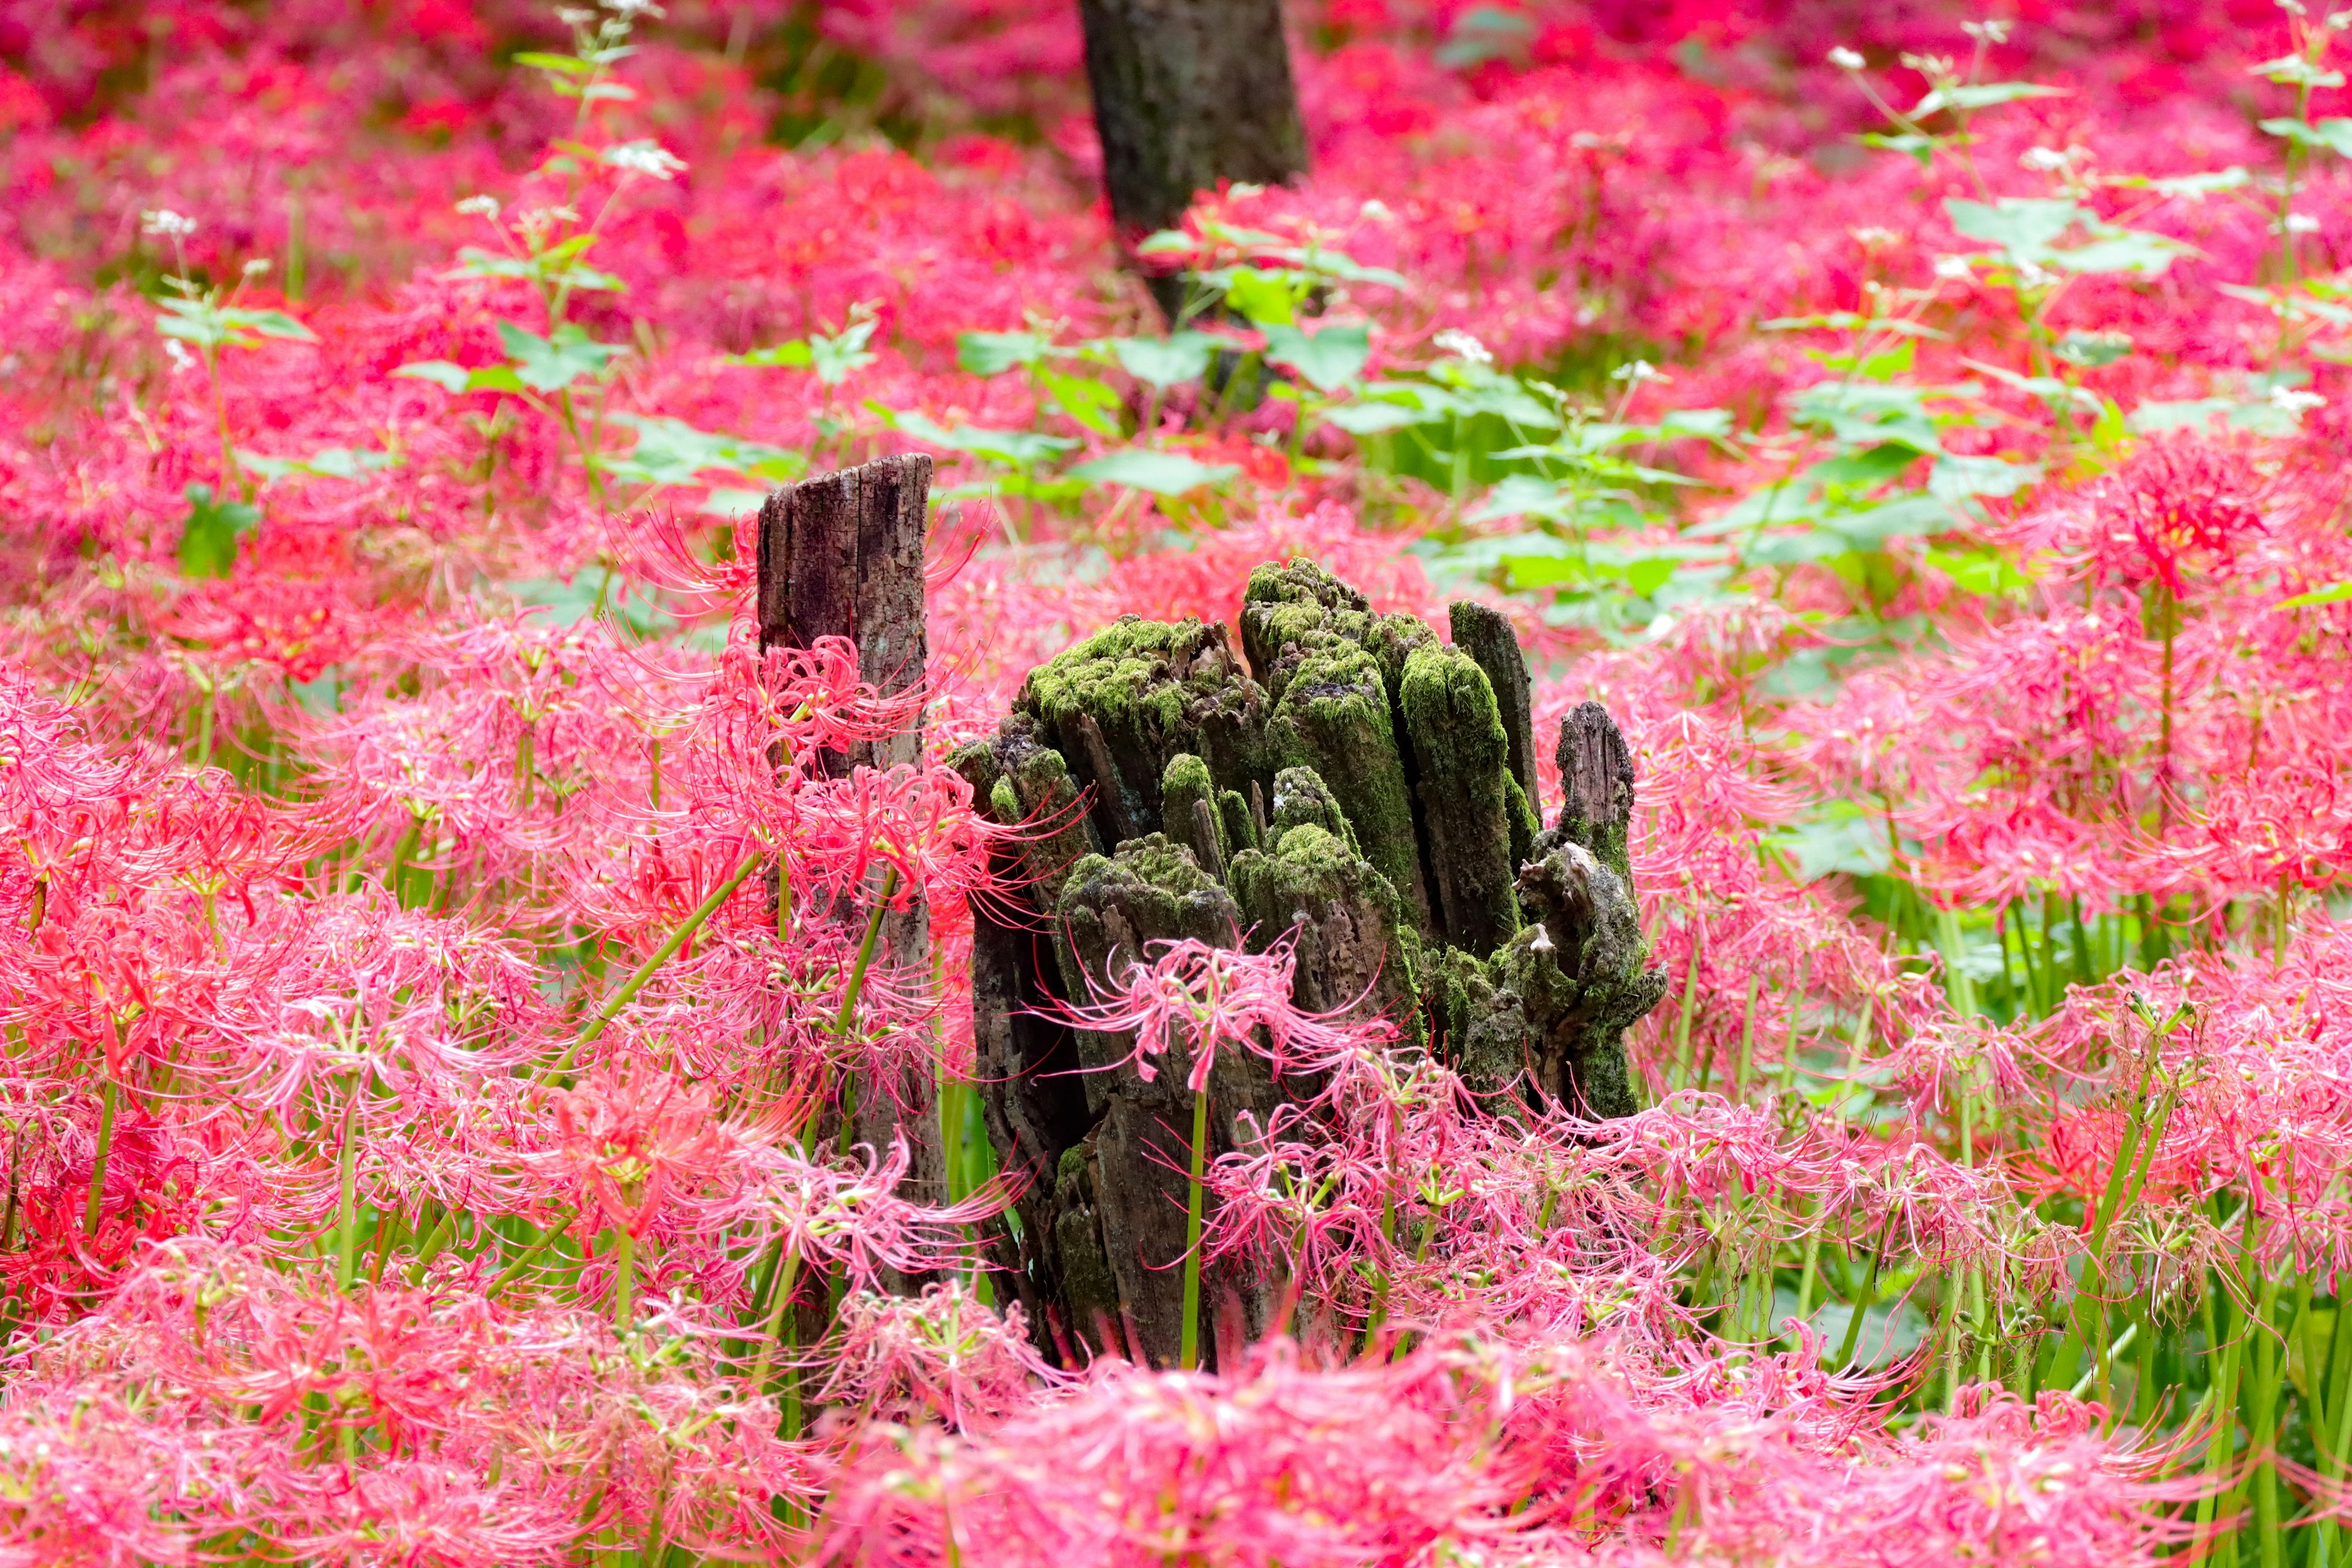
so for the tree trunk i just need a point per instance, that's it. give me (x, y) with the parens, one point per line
(841, 554)
(1358, 782)
(1187, 93)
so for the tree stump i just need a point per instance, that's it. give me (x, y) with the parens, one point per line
(1359, 781)
(1187, 93)
(841, 554)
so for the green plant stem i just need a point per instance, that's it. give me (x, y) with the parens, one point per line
(524, 1258)
(625, 1280)
(347, 1226)
(646, 970)
(1188, 1351)
(780, 1300)
(96, 1204)
(1689, 1008)
(2221, 1448)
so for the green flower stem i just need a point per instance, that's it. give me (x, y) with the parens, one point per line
(625, 1280)
(90, 1210)
(780, 1300)
(529, 1254)
(1188, 1352)
(347, 1215)
(646, 970)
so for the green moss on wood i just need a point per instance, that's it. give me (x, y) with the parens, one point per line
(1464, 766)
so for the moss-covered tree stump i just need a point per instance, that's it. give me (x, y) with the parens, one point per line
(1359, 781)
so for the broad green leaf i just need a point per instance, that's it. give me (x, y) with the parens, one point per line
(1168, 242)
(793, 355)
(2294, 70)
(1166, 361)
(2188, 414)
(1981, 572)
(2028, 227)
(994, 353)
(1266, 298)
(1953, 479)
(2333, 135)
(447, 374)
(1016, 448)
(2093, 350)
(1920, 150)
(208, 538)
(2334, 594)
(836, 358)
(2123, 250)
(672, 452)
(1372, 418)
(1328, 359)
(1983, 95)
(2196, 187)
(1904, 516)
(1162, 473)
(330, 463)
(1092, 403)
(554, 363)
(567, 65)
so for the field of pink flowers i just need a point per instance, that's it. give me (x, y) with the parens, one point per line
(1927, 432)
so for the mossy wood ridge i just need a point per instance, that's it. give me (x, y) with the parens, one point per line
(1357, 784)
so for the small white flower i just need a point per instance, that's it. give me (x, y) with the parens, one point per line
(182, 360)
(1845, 59)
(2043, 159)
(2302, 223)
(165, 224)
(257, 266)
(2032, 275)
(1992, 30)
(1375, 210)
(645, 158)
(1873, 236)
(630, 10)
(1637, 371)
(479, 206)
(2294, 400)
(1953, 268)
(1462, 345)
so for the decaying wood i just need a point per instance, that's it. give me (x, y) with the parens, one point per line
(1347, 777)
(841, 554)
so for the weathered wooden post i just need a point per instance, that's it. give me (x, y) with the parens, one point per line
(841, 554)
(1187, 93)
(1358, 782)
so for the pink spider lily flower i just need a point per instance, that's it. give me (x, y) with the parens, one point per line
(1196, 1000)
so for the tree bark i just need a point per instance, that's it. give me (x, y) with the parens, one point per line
(841, 554)
(1187, 93)
(1358, 782)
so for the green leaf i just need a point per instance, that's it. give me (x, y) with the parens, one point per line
(1091, 401)
(1373, 418)
(2334, 135)
(1920, 150)
(554, 363)
(672, 452)
(1163, 362)
(331, 463)
(567, 65)
(1162, 473)
(208, 539)
(2093, 350)
(1981, 572)
(447, 374)
(1265, 299)
(793, 355)
(2294, 70)
(1328, 359)
(994, 353)
(2334, 594)
(1983, 95)
(2028, 227)
(1955, 478)
(2188, 414)
(1014, 448)
(1906, 516)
